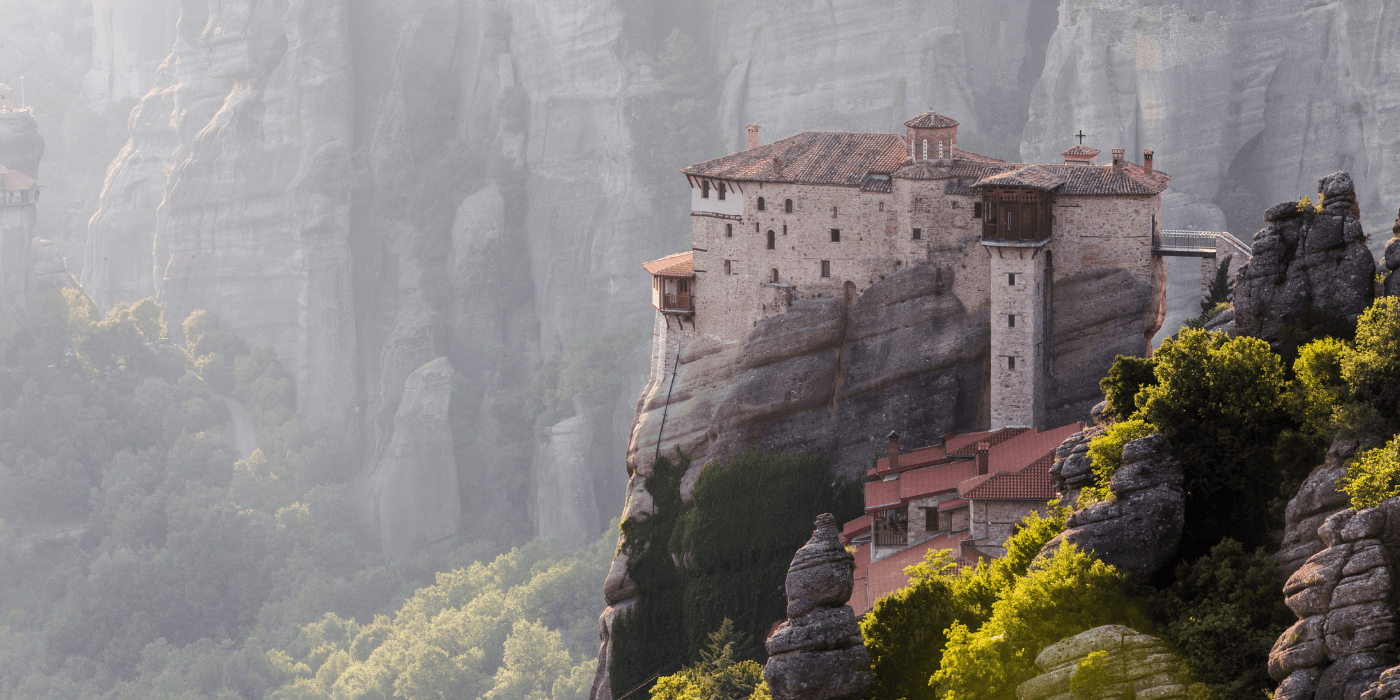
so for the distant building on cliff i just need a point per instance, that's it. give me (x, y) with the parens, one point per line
(828, 214)
(19, 195)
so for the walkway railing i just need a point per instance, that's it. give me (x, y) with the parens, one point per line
(1198, 244)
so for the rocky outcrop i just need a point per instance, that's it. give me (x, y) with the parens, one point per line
(21, 145)
(50, 271)
(1386, 687)
(818, 653)
(1139, 528)
(1344, 597)
(1136, 666)
(1390, 262)
(1306, 263)
(417, 500)
(1073, 470)
(1316, 501)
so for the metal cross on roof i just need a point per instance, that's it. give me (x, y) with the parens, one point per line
(1081, 136)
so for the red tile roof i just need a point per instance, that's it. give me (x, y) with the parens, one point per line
(1081, 151)
(879, 579)
(850, 530)
(930, 120)
(678, 265)
(1132, 179)
(14, 180)
(1032, 176)
(881, 494)
(967, 444)
(1031, 483)
(931, 480)
(952, 505)
(1027, 447)
(812, 158)
(921, 457)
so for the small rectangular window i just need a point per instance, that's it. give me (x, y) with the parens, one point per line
(728, 270)
(918, 234)
(1011, 278)
(704, 190)
(1011, 363)
(836, 235)
(1011, 320)
(784, 229)
(721, 191)
(826, 268)
(729, 230)
(976, 210)
(931, 523)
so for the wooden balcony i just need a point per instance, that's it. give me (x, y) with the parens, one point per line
(678, 303)
(888, 538)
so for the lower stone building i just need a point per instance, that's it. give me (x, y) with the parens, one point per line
(967, 494)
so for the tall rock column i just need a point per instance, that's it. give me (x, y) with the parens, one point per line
(818, 653)
(418, 501)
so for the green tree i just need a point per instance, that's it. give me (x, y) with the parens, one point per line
(718, 675)
(1069, 593)
(1220, 401)
(1373, 476)
(1125, 380)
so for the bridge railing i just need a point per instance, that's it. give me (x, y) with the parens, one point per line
(1185, 240)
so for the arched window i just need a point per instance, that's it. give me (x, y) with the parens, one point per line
(729, 230)
(787, 205)
(760, 204)
(940, 157)
(772, 240)
(925, 150)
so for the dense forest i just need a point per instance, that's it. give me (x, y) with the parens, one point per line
(142, 557)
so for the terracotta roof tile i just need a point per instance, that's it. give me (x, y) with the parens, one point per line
(877, 182)
(881, 494)
(678, 265)
(931, 120)
(855, 527)
(1031, 483)
(886, 576)
(1092, 179)
(1033, 176)
(1081, 151)
(967, 444)
(952, 505)
(935, 479)
(14, 180)
(812, 158)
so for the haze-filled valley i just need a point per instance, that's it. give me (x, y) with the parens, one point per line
(328, 353)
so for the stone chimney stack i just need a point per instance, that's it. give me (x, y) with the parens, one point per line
(1118, 159)
(983, 457)
(1147, 159)
(777, 166)
(753, 135)
(894, 449)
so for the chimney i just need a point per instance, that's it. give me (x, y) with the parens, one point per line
(1118, 160)
(983, 459)
(777, 167)
(1147, 160)
(894, 449)
(753, 135)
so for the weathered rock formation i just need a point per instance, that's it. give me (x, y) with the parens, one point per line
(1139, 529)
(1306, 263)
(1136, 666)
(1316, 501)
(416, 484)
(1344, 598)
(1390, 262)
(1073, 470)
(566, 508)
(1386, 687)
(818, 653)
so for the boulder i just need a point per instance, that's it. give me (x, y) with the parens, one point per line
(1072, 470)
(818, 653)
(1137, 665)
(1139, 529)
(1316, 500)
(1306, 263)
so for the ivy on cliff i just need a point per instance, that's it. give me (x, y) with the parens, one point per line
(724, 556)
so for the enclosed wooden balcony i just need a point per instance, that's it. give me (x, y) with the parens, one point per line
(673, 283)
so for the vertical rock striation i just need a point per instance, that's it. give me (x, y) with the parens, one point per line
(417, 497)
(818, 653)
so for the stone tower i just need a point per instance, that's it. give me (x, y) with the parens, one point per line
(931, 137)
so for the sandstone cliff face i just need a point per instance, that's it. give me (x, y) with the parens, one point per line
(1242, 101)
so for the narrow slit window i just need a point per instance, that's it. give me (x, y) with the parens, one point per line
(1011, 278)
(1011, 320)
(882, 206)
(976, 210)
(918, 234)
(772, 240)
(784, 229)
(721, 191)
(728, 269)
(836, 235)
(1011, 363)
(761, 206)
(729, 230)
(826, 268)
(787, 205)
(774, 275)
